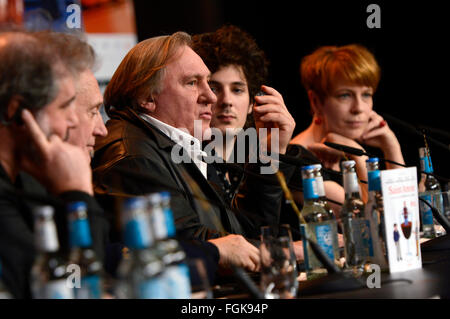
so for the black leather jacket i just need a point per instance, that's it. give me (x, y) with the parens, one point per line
(135, 159)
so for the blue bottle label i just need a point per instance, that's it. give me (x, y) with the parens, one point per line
(374, 180)
(426, 164)
(427, 214)
(152, 288)
(137, 234)
(80, 233)
(91, 288)
(178, 283)
(324, 236)
(310, 188)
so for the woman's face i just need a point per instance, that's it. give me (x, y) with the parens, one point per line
(346, 110)
(233, 99)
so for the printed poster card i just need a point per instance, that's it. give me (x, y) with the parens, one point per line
(401, 216)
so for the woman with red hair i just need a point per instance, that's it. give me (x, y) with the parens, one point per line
(340, 83)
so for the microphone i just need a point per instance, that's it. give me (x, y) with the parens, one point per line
(320, 254)
(414, 130)
(347, 149)
(433, 130)
(359, 152)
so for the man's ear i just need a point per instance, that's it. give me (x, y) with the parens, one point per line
(148, 105)
(13, 112)
(250, 108)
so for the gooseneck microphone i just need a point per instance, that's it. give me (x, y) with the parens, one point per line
(359, 152)
(419, 131)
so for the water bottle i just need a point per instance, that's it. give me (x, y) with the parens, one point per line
(374, 212)
(176, 273)
(140, 272)
(82, 255)
(429, 190)
(320, 225)
(321, 190)
(49, 276)
(356, 228)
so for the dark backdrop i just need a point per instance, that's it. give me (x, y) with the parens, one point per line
(409, 46)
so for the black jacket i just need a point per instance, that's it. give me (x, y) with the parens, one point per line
(134, 145)
(17, 251)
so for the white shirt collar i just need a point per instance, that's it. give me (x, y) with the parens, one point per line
(191, 144)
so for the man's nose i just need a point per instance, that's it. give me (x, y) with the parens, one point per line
(207, 95)
(100, 128)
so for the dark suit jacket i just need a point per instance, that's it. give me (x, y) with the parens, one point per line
(17, 251)
(137, 146)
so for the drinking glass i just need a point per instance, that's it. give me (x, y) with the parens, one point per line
(200, 286)
(278, 263)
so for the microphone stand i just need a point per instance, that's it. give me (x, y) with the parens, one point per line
(358, 152)
(415, 131)
(439, 243)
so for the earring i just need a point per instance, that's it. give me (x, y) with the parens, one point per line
(317, 121)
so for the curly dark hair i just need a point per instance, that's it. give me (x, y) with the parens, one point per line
(230, 45)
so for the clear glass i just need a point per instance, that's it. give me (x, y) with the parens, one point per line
(200, 286)
(440, 200)
(278, 263)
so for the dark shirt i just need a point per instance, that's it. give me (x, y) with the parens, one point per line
(17, 251)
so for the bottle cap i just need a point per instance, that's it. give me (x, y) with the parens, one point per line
(373, 160)
(44, 211)
(165, 195)
(348, 164)
(76, 206)
(134, 203)
(308, 167)
(155, 198)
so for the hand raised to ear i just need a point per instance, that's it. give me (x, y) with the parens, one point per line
(271, 112)
(58, 165)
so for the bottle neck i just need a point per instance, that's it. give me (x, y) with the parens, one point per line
(46, 236)
(80, 233)
(426, 165)
(170, 224)
(159, 223)
(374, 180)
(310, 189)
(351, 185)
(137, 233)
(320, 187)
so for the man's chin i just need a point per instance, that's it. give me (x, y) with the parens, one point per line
(90, 153)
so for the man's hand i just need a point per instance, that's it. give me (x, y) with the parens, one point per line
(271, 112)
(59, 166)
(236, 250)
